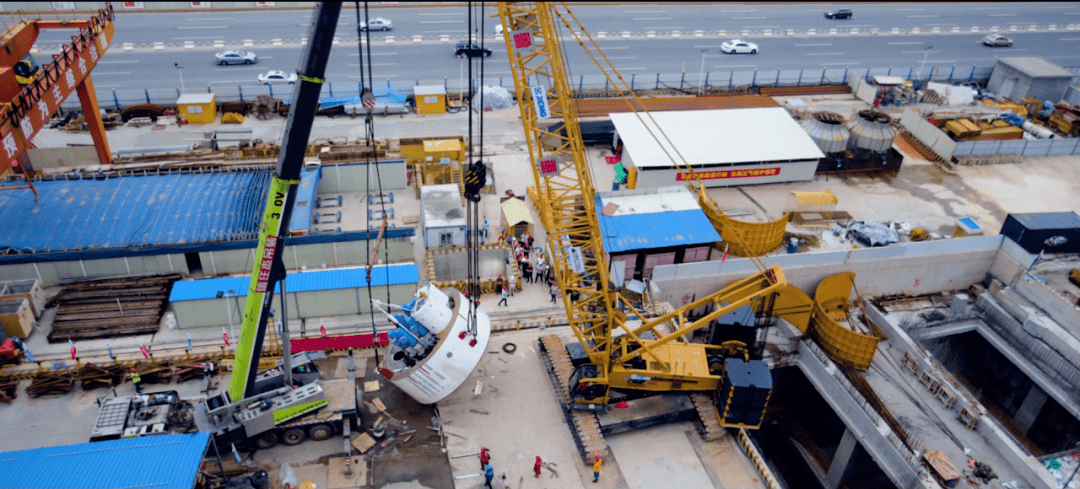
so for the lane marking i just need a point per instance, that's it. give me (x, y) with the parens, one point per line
(377, 64)
(761, 27)
(908, 9)
(748, 18)
(112, 73)
(374, 54)
(196, 37)
(921, 16)
(824, 54)
(900, 43)
(665, 27)
(234, 69)
(622, 57)
(989, 8)
(118, 62)
(836, 64)
(442, 21)
(919, 52)
(735, 66)
(951, 23)
(645, 11)
(1002, 15)
(193, 27)
(619, 47)
(816, 44)
(618, 68)
(209, 19)
(651, 18)
(440, 32)
(1070, 39)
(384, 76)
(232, 81)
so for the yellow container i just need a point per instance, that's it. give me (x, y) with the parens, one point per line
(197, 108)
(437, 149)
(430, 99)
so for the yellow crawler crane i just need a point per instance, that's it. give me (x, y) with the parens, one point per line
(623, 355)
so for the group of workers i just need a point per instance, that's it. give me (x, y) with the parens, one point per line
(489, 471)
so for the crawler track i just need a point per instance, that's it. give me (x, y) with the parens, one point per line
(583, 425)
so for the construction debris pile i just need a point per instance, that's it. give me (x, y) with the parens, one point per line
(111, 307)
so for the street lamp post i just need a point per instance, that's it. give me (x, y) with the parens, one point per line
(180, 70)
(923, 65)
(701, 75)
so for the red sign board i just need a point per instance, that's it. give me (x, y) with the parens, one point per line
(721, 174)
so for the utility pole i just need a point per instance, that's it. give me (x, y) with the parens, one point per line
(701, 75)
(180, 70)
(923, 65)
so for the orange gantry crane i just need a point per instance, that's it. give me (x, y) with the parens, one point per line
(25, 109)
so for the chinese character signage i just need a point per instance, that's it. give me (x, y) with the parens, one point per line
(720, 174)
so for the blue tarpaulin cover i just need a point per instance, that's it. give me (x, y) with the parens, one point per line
(123, 212)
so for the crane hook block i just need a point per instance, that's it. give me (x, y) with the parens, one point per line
(475, 178)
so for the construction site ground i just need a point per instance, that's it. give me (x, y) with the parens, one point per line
(516, 414)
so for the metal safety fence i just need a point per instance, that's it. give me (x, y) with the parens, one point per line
(690, 83)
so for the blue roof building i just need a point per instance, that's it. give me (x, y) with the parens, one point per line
(161, 462)
(645, 228)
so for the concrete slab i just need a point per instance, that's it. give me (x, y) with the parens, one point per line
(639, 454)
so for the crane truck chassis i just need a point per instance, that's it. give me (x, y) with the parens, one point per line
(317, 410)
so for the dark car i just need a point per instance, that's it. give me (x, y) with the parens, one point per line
(840, 13)
(472, 50)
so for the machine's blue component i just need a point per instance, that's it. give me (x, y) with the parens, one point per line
(401, 338)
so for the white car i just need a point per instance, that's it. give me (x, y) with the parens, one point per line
(498, 29)
(738, 46)
(277, 76)
(377, 24)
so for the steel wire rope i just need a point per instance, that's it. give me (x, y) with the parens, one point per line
(367, 97)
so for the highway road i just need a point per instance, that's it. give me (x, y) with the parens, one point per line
(638, 57)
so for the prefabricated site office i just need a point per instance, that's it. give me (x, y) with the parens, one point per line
(722, 147)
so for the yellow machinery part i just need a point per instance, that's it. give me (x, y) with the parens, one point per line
(1074, 277)
(743, 238)
(841, 343)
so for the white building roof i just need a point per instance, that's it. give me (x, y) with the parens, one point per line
(195, 98)
(422, 90)
(706, 137)
(442, 206)
(650, 200)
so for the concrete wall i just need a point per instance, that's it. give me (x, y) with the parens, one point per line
(911, 268)
(322, 255)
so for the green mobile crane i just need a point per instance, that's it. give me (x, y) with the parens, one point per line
(287, 403)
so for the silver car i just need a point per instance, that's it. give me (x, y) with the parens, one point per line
(234, 57)
(994, 40)
(377, 24)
